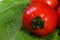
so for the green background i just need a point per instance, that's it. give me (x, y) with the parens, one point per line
(11, 25)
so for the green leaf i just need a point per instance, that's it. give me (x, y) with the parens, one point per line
(11, 22)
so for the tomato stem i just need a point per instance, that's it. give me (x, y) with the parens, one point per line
(38, 23)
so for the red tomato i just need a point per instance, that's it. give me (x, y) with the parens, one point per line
(58, 13)
(39, 19)
(52, 3)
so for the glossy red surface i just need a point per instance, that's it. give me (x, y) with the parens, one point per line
(51, 3)
(46, 14)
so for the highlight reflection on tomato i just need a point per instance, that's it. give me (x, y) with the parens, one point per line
(52, 3)
(37, 19)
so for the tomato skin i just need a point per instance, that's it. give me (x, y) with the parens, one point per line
(43, 11)
(58, 14)
(51, 3)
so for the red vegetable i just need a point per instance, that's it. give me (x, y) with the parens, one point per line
(52, 3)
(39, 19)
(58, 14)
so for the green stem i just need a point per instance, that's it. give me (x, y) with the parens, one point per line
(38, 23)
